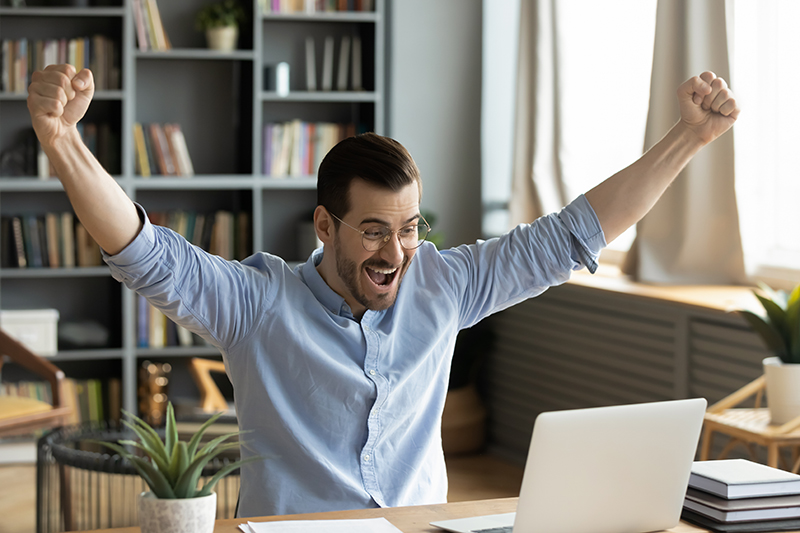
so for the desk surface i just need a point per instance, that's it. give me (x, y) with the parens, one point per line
(407, 519)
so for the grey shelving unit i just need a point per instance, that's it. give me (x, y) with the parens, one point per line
(220, 102)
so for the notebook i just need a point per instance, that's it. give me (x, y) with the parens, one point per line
(619, 469)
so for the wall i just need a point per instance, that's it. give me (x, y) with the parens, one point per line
(434, 92)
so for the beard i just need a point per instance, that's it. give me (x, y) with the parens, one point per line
(350, 273)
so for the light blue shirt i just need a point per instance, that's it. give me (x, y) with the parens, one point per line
(347, 412)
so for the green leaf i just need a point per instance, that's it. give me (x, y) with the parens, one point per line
(171, 432)
(209, 447)
(152, 442)
(777, 316)
(159, 461)
(224, 471)
(779, 297)
(771, 336)
(187, 484)
(155, 479)
(178, 463)
(195, 440)
(152, 436)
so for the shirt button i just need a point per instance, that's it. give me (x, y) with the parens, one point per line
(366, 458)
(371, 372)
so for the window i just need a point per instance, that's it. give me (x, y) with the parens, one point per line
(765, 53)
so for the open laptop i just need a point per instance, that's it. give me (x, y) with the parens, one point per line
(620, 469)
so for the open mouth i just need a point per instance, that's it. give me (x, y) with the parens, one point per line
(382, 277)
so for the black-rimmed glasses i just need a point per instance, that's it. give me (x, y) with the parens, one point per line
(375, 237)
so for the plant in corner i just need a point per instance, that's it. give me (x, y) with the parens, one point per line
(221, 21)
(172, 469)
(779, 328)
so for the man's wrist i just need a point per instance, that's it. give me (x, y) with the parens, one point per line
(688, 135)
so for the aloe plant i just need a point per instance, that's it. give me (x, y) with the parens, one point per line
(174, 467)
(780, 327)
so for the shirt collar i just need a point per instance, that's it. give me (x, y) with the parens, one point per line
(322, 292)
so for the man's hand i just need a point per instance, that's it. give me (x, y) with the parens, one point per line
(708, 107)
(57, 99)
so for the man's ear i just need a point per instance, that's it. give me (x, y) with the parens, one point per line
(323, 225)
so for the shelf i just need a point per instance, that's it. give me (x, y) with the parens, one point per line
(322, 17)
(289, 182)
(46, 272)
(201, 54)
(62, 11)
(322, 96)
(177, 351)
(85, 355)
(203, 182)
(33, 184)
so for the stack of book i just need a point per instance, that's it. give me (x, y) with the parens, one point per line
(296, 148)
(161, 150)
(738, 495)
(150, 33)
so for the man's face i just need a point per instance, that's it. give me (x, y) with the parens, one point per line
(372, 279)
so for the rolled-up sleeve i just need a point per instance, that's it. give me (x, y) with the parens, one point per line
(219, 300)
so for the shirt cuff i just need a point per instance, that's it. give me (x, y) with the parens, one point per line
(587, 234)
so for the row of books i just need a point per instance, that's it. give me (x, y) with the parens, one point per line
(737, 495)
(161, 150)
(314, 6)
(21, 57)
(150, 32)
(92, 400)
(25, 157)
(296, 148)
(51, 240)
(222, 233)
(348, 74)
(155, 330)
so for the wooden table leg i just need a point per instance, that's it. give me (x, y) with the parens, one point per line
(772, 455)
(705, 446)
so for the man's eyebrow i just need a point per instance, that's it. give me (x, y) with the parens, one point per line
(385, 223)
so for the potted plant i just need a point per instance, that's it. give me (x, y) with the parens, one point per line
(172, 469)
(221, 21)
(780, 331)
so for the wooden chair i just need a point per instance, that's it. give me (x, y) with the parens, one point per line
(750, 426)
(19, 416)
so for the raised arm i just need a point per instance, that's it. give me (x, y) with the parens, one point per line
(57, 100)
(708, 109)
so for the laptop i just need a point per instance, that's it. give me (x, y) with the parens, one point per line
(619, 469)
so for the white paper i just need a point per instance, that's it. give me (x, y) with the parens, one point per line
(364, 525)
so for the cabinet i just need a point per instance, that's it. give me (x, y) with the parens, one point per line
(221, 102)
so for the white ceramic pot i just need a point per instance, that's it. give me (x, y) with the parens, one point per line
(222, 38)
(783, 389)
(190, 515)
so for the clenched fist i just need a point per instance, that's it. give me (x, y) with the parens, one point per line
(58, 97)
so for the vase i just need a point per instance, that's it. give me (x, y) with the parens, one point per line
(783, 389)
(187, 515)
(222, 38)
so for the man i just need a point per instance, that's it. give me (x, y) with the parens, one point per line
(340, 367)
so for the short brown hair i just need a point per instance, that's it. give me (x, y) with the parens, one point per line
(371, 157)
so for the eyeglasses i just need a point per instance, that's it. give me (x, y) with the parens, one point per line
(375, 237)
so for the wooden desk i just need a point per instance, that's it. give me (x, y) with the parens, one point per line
(406, 519)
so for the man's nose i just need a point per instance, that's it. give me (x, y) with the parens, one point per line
(392, 252)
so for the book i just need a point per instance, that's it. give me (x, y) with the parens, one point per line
(53, 239)
(19, 242)
(67, 240)
(311, 65)
(344, 64)
(327, 65)
(142, 162)
(355, 79)
(742, 510)
(740, 527)
(740, 478)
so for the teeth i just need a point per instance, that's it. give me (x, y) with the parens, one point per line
(383, 270)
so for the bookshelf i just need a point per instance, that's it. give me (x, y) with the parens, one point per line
(222, 104)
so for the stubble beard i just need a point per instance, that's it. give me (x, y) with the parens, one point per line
(350, 273)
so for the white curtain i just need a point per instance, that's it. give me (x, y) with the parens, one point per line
(692, 234)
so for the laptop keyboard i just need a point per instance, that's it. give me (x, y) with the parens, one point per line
(506, 529)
